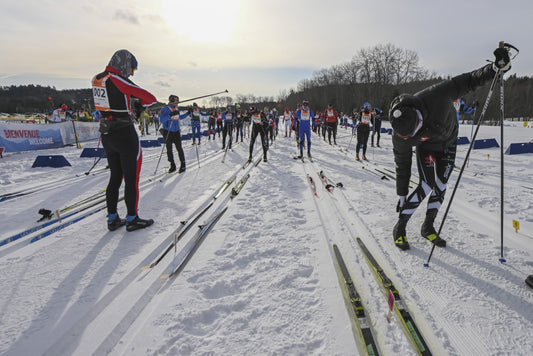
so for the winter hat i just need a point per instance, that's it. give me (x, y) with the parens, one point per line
(253, 109)
(405, 115)
(124, 61)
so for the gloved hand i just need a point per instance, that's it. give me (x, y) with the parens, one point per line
(138, 108)
(501, 59)
(401, 202)
(174, 113)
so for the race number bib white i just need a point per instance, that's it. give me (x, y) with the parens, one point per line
(101, 100)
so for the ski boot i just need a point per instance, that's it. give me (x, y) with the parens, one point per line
(134, 222)
(114, 222)
(265, 159)
(428, 231)
(172, 167)
(309, 154)
(182, 168)
(250, 159)
(364, 157)
(529, 280)
(357, 157)
(399, 234)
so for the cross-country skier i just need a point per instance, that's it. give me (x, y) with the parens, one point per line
(461, 107)
(227, 117)
(169, 117)
(363, 130)
(239, 121)
(112, 93)
(196, 124)
(259, 127)
(427, 121)
(305, 116)
(211, 123)
(331, 117)
(287, 119)
(376, 126)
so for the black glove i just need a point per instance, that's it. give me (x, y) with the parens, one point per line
(174, 113)
(501, 59)
(401, 202)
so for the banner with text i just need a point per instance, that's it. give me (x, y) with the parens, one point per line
(27, 137)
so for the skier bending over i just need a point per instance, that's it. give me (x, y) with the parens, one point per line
(427, 121)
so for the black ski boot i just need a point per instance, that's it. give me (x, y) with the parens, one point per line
(182, 168)
(399, 234)
(428, 231)
(135, 223)
(529, 280)
(250, 159)
(309, 154)
(172, 167)
(114, 222)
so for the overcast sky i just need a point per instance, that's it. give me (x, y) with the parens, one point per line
(195, 47)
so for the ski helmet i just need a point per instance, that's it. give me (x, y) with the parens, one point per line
(64, 107)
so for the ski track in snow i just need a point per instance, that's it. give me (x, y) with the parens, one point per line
(264, 281)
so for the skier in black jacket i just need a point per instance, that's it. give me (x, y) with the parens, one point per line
(427, 120)
(113, 95)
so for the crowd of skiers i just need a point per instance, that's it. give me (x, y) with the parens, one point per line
(427, 121)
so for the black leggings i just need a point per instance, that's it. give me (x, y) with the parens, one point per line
(174, 138)
(363, 130)
(258, 129)
(124, 157)
(434, 169)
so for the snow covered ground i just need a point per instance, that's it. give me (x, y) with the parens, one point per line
(264, 280)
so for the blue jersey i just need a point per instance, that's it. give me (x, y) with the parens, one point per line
(171, 123)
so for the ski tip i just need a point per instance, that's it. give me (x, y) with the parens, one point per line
(146, 267)
(165, 276)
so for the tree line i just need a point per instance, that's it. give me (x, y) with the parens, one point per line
(375, 75)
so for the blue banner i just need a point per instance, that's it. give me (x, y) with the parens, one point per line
(28, 137)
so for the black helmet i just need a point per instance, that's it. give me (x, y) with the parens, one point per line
(253, 109)
(405, 115)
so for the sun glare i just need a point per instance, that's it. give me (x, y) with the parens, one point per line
(204, 21)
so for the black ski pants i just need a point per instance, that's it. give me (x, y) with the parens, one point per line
(258, 129)
(434, 170)
(173, 138)
(124, 157)
(363, 131)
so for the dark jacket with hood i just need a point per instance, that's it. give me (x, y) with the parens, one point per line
(440, 128)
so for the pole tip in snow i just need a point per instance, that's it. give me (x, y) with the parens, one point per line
(503, 260)
(426, 265)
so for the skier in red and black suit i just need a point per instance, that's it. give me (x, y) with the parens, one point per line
(427, 120)
(331, 117)
(113, 95)
(259, 127)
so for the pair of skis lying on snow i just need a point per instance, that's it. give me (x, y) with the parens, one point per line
(362, 326)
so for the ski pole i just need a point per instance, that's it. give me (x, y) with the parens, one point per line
(94, 165)
(489, 95)
(502, 260)
(162, 149)
(204, 96)
(197, 156)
